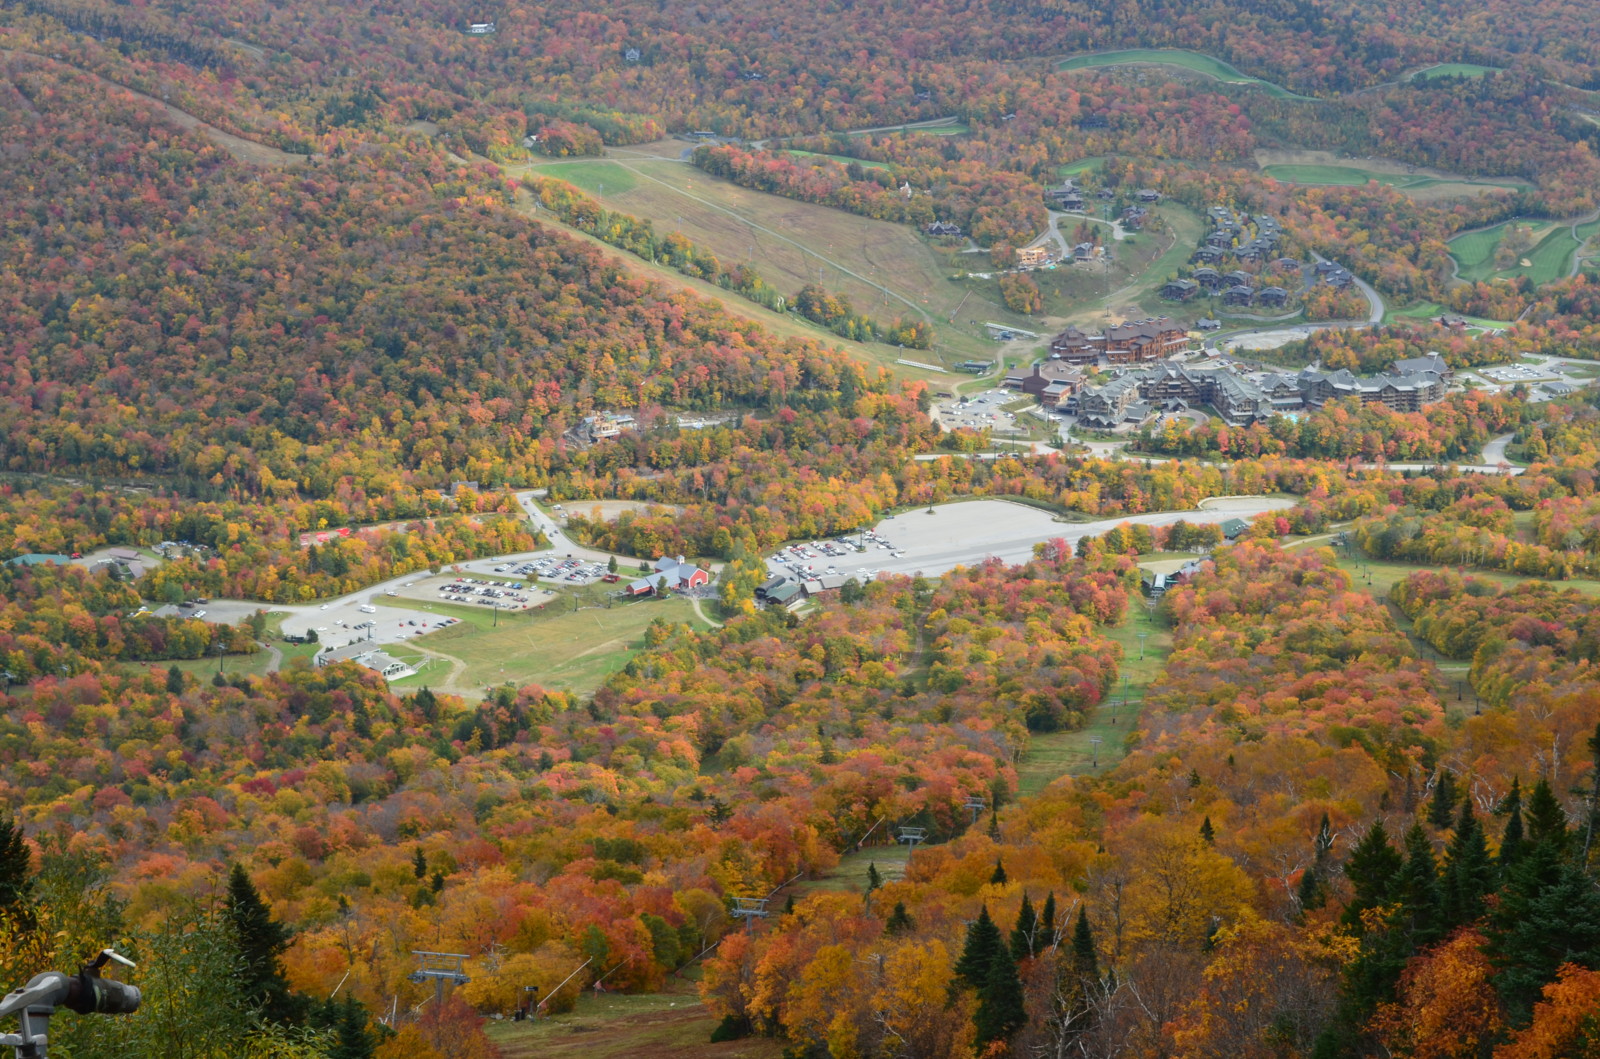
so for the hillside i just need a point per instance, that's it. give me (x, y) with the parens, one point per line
(361, 361)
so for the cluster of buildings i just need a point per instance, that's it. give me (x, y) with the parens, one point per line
(1130, 343)
(366, 656)
(1239, 235)
(1235, 288)
(1237, 399)
(603, 425)
(678, 574)
(1069, 197)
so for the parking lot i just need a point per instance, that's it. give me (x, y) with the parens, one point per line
(1517, 373)
(856, 555)
(562, 569)
(984, 411)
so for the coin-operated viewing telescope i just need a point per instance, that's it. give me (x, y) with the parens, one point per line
(85, 992)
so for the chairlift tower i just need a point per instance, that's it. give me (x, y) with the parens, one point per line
(975, 805)
(911, 836)
(440, 967)
(750, 909)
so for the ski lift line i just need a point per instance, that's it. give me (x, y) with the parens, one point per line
(608, 974)
(870, 830)
(565, 980)
(787, 882)
(342, 981)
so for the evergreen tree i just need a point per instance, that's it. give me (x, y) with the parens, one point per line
(261, 940)
(1592, 824)
(1047, 919)
(1208, 832)
(1000, 1010)
(1417, 887)
(174, 680)
(983, 941)
(874, 880)
(900, 921)
(1469, 874)
(419, 864)
(1025, 935)
(1372, 869)
(427, 703)
(1313, 890)
(350, 1037)
(1547, 821)
(16, 872)
(1549, 914)
(1084, 961)
(1442, 809)
(999, 876)
(1512, 842)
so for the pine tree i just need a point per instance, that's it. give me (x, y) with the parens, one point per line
(1549, 914)
(16, 872)
(350, 1037)
(1372, 869)
(174, 680)
(1084, 961)
(999, 876)
(1442, 809)
(427, 703)
(1025, 935)
(261, 940)
(900, 921)
(1208, 832)
(1000, 1011)
(1512, 842)
(1047, 919)
(1547, 822)
(1417, 887)
(983, 941)
(1469, 874)
(874, 880)
(419, 864)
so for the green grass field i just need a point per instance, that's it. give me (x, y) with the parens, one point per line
(1187, 60)
(595, 177)
(1454, 70)
(1056, 754)
(843, 158)
(1432, 310)
(554, 646)
(1355, 175)
(1082, 165)
(851, 872)
(1384, 574)
(671, 1024)
(795, 243)
(1548, 259)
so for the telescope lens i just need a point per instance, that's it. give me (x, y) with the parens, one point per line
(91, 995)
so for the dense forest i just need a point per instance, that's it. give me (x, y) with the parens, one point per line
(267, 274)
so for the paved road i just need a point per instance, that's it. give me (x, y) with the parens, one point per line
(1495, 451)
(1374, 300)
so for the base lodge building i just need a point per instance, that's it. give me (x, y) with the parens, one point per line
(1240, 401)
(1130, 343)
